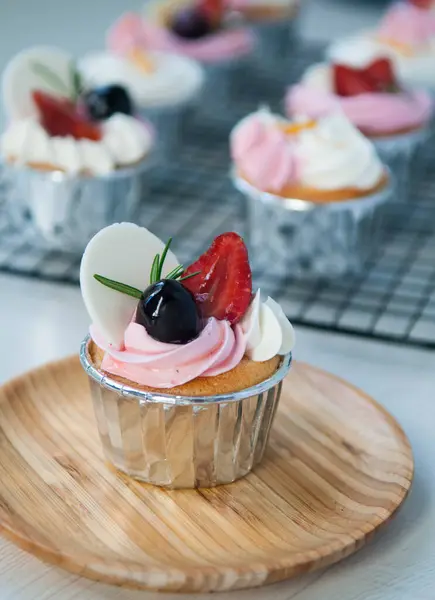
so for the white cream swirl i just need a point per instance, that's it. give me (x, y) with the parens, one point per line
(267, 330)
(125, 141)
(335, 155)
(171, 79)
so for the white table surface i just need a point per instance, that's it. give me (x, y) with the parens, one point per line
(41, 322)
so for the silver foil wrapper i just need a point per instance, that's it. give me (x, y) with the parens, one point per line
(308, 240)
(59, 211)
(180, 441)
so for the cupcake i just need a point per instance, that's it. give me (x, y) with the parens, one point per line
(185, 364)
(200, 29)
(313, 192)
(274, 25)
(164, 87)
(367, 90)
(74, 160)
(406, 34)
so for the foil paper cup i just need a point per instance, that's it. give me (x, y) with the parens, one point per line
(59, 211)
(399, 153)
(308, 240)
(181, 441)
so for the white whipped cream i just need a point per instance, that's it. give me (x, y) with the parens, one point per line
(335, 155)
(267, 330)
(174, 79)
(125, 141)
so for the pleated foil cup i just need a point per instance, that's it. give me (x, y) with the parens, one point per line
(58, 211)
(181, 441)
(399, 152)
(303, 239)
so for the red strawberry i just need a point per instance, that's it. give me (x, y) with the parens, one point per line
(381, 71)
(223, 288)
(352, 82)
(425, 4)
(213, 10)
(59, 117)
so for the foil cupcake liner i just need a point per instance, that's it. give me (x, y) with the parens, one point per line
(309, 240)
(58, 211)
(399, 153)
(180, 441)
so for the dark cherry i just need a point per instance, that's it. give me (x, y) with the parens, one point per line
(169, 313)
(101, 103)
(190, 23)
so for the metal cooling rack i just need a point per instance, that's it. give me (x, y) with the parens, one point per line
(193, 201)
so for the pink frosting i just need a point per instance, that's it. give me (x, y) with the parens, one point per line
(373, 113)
(408, 24)
(218, 349)
(132, 31)
(263, 154)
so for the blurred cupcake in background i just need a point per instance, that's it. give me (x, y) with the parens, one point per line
(73, 159)
(274, 23)
(164, 87)
(367, 90)
(406, 34)
(203, 30)
(313, 192)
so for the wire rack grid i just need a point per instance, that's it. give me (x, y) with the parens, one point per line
(192, 200)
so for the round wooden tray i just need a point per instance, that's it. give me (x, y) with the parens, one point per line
(337, 468)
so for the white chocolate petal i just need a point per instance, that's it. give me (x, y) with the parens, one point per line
(251, 323)
(21, 78)
(271, 336)
(123, 252)
(288, 333)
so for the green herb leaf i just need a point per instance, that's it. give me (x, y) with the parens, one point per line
(119, 287)
(51, 78)
(175, 273)
(76, 81)
(191, 275)
(163, 258)
(154, 269)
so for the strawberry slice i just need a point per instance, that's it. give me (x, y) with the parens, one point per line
(59, 117)
(351, 82)
(381, 71)
(213, 10)
(223, 288)
(425, 4)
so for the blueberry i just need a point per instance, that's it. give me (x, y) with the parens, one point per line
(101, 103)
(190, 23)
(169, 313)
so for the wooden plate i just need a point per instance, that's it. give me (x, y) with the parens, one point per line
(337, 468)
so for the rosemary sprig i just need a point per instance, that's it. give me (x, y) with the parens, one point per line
(51, 78)
(119, 287)
(76, 81)
(155, 275)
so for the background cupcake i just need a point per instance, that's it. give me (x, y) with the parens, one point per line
(201, 29)
(274, 23)
(313, 191)
(73, 159)
(406, 34)
(164, 87)
(397, 119)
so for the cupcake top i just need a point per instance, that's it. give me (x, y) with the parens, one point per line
(153, 79)
(56, 124)
(162, 325)
(200, 29)
(366, 90)
(264, 10)
(290, 158)
(406, 34)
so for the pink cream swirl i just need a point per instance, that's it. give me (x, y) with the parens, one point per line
(132, 31)
(372, 113)
(263, 153)
(146, 361)
(407, 24)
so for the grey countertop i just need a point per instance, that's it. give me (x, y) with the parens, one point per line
(41, 321)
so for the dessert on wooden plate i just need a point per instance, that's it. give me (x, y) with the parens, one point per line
(185, 364)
